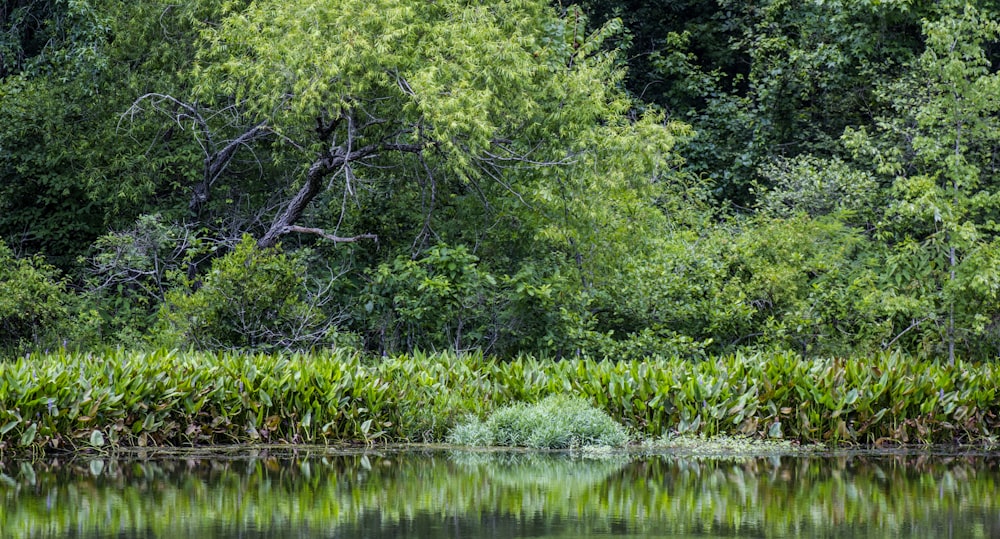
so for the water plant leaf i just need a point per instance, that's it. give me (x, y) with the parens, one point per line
(97, 438)
(29, 435)
(10, 425)
(851, 397)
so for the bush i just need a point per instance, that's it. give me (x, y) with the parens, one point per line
(250, 299)
(128, 273)
(557, 422)
(819, 187)
(33, 301)
(440, 301)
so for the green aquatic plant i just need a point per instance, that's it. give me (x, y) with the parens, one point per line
(557, 422)
(67, 400)
(699, 445)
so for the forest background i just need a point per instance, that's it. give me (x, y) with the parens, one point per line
(611, 179)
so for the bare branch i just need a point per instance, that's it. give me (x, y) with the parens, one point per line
(216, 162)
(323, 234)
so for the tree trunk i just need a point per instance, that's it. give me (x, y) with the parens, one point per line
(320, 169)
(295, 208)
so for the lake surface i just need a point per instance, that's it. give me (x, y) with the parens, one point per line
(322, 493)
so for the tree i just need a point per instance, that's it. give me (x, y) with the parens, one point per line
(51, 51)
(68, 167)
(941, 147)
(351, 100)
(250, 299)
(760, 80)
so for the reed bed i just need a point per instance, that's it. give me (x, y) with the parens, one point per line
(73, 401)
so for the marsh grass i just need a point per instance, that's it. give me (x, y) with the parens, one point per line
(557, 422)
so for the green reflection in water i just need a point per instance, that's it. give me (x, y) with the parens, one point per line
(480, 494)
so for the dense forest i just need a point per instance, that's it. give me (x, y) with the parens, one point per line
(614, 178)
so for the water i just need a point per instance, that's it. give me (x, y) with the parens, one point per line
(316, 493)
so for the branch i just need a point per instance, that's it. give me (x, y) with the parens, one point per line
(886, 346)
(320, 232)
(217, 162)
(329, 163)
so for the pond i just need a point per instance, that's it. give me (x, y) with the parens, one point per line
(425, 492)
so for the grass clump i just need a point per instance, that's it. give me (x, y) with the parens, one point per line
(557, 422)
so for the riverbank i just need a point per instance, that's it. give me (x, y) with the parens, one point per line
(72, 401)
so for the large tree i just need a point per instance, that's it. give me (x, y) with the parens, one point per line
(347, 102)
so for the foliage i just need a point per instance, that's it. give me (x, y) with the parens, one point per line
(762, 80)
(33, 302)
(511, 177)
(793, 283)
(554, 423)
(77, 400)
(129, 272)
(439, 301)
(939, 149)
(250, 299)
(820, 187)
(67, 169)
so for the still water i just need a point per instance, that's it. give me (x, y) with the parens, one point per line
(319, 493)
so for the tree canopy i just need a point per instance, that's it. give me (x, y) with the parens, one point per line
(613, 179)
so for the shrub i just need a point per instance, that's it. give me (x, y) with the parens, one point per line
(128, 273)
(33, 300)
(819, 187)
(250, 299)
(557, 422)
(440, 301)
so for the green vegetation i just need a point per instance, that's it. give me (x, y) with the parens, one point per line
(120, 399)
(33, 299)
(605, 180)
(692, 208)
(557, 422)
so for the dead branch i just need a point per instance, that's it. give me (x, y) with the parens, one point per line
(323, 234)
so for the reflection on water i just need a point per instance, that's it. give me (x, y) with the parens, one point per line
(313, 494)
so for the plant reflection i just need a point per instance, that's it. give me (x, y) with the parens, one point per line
(315, 493)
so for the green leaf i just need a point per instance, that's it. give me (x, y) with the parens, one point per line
(7, 428)
(97, 438)
(264, 397)
(29, 435)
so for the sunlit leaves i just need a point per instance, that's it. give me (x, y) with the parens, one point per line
(939, 149)
(460, 72)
